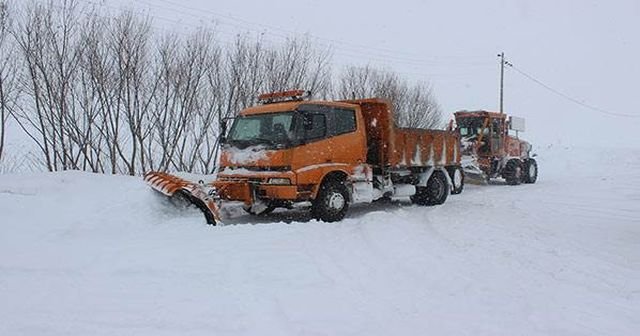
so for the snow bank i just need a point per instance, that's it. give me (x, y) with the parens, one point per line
(104, 255)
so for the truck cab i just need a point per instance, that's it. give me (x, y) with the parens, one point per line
(280, 152)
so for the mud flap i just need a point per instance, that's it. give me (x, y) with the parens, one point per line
(199, 194)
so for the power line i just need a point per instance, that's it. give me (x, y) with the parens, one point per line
(569, 98)
(146, 13)
(288, 31)
(348, 48)
(94, 4)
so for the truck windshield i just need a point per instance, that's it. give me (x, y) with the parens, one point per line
(272, 130)
(471, 126)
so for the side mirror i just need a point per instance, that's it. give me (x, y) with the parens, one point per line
(223, 126)
(223, 131)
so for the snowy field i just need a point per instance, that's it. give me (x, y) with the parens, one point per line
(84, 254)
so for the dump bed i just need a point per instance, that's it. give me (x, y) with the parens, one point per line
(391, 146)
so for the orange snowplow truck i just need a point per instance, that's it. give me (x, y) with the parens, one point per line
(328, 154)
(489, 151)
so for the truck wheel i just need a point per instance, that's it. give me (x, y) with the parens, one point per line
(530, 171)
(457, 179)
(332, 201)
(434, 193)
(513, 172)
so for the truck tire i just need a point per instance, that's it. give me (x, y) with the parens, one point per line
(456, 174)
(512, 172)
(332, 202)
(530, 171)
(435, 192)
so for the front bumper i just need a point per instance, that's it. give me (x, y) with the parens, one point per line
(250, 187)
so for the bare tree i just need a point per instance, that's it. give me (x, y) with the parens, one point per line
(253, 68)
(180, 115)
(202, 58)
(422, 109)
(319, 78)
(135, 88)
(244, 74)
(93, 94)
(47, 40)
(101, 78)
(415, 104)
(107, 94)
(8, 74)
(296, 64)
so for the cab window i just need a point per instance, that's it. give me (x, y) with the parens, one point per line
(315, 126)
(344, 121)
(496, 128)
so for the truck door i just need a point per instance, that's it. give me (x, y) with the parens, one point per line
(313, 132)
(348, 146)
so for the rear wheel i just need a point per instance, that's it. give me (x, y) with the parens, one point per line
(530, 171)
(457, 179)
(513, 172)
(434, 193)
(332, 202)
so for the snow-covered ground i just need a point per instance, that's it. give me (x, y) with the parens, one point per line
(84, 254)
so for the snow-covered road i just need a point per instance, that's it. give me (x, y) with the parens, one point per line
(84, 254)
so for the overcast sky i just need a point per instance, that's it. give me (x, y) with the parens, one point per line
(588, 50)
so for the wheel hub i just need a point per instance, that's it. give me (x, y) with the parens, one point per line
(336, 201)
(532, 171)
(437, 189)
(457, 178)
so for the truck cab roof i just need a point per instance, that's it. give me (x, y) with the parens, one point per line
(479, 113)
(291, 106)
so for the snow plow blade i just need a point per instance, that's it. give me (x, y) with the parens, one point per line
(473, 177)
(199, 194)
(472, 172)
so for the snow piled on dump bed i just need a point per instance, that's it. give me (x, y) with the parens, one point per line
(85, 254)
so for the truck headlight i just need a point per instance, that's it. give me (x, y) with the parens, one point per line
(279, 180)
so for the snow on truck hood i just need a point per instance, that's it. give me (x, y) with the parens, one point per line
(245, 157)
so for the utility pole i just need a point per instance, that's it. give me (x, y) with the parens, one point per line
(501, 55)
